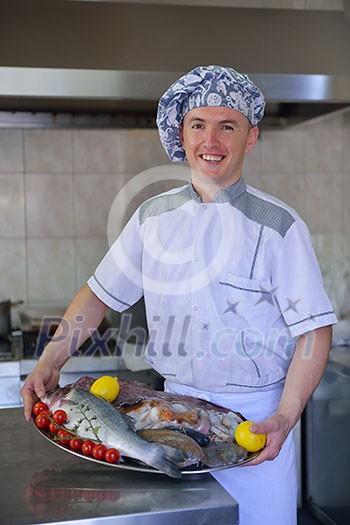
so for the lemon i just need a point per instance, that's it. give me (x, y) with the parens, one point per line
(247, 439)
(106, 387)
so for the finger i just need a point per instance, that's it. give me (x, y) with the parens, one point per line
(39, 387)
(29, 398)
(256, 461)
(264, 455)
(252, 462)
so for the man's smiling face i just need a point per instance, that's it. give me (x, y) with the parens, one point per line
(216, 139)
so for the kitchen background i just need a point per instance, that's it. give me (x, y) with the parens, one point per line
(57, 187)
(57, 183)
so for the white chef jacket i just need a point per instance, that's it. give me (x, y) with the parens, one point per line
(228, 286)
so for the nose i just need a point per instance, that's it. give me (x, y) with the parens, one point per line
(211, 137)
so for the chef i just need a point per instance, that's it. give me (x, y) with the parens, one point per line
(236, 309)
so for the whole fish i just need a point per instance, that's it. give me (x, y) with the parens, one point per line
(192, 451)
(221, 454)
(91, 417)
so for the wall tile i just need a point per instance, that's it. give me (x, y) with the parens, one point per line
(325, 202)
(49, 210)
(253, 159)
(11, 206)
(13, 269)
(286, 187)
(11, 150)
(89, 252)
(48, 150)
(331, 252)
(94, 195)
(142, 150)
(334, 5)
(51, 270)
(283, 151)
(98, 151)
(346, 206)
(324, 142)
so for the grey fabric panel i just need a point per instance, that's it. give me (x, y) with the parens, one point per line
(264, 212)
(163, 203)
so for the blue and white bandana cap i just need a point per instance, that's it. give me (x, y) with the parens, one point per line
(205, 86)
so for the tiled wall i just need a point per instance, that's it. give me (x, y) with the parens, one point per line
(57, 186)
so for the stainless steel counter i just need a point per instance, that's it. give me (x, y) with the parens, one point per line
(40, 483)
(327, 453)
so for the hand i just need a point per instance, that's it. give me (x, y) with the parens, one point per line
(276, 429)
(42, 379)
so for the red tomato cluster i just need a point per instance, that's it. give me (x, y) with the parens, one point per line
(54, 422)
(89, 448)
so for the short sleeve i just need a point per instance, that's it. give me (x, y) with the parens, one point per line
(117, 280)
(298, 284)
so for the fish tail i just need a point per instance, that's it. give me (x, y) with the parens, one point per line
(166, 459)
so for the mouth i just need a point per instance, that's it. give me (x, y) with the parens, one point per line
(212, 158)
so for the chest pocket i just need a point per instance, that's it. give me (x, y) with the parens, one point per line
(250, 302)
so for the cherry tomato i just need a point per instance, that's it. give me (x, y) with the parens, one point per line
(42, 420)
(112, 455)
(87, 447)
(38, 407)
(46, 412)
(75, 443)
(59, 417)
(99, 451)
(53, 427)
(64, 436)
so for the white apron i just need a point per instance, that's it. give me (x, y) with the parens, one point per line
(267, 493)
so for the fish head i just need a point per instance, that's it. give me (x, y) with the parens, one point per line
(59, 398)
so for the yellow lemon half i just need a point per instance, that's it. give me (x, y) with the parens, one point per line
(247, 439)
(106, 387)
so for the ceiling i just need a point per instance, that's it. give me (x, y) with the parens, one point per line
(116, 58)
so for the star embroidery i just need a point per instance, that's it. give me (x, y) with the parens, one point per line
(292, 305)
(231, 307)
(266, 296)
(205, 326)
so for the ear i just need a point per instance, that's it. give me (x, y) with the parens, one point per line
(252, 138)
(181, 134)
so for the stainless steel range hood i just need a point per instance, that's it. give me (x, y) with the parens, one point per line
(130, 97)
(114, 59)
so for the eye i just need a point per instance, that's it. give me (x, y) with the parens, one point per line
(197, 126)
(227, 127)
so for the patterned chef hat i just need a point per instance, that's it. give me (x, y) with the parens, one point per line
(205, 86)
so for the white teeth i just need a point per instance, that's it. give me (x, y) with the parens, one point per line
(212, 158)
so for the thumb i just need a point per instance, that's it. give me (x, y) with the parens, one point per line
(261, 428)
(39, 388)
